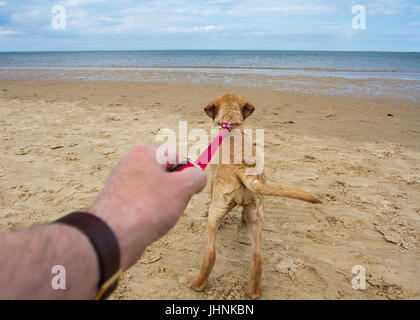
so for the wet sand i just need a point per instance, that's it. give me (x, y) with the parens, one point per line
(326, 83)
(360, 156)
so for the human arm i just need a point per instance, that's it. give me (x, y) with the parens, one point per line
(141, 201)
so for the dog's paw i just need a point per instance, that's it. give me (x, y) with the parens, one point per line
(253, 294)
(197, 285)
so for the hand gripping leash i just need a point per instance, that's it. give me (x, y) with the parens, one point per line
(204, 159)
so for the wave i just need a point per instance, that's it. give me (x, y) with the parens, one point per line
(201, 67)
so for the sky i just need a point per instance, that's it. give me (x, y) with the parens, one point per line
(391, 25)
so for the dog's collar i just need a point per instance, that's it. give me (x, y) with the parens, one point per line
(229, 126)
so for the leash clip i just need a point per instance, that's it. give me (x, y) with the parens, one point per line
(226, 125)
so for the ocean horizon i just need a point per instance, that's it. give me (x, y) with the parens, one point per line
(390, 73)
(347, 64)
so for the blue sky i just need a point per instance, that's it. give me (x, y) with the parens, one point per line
(391, 25)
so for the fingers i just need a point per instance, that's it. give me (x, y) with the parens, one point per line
(189, 181)
(166, 157)
(162, 156)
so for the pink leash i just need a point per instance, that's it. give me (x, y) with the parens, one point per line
(204, 159)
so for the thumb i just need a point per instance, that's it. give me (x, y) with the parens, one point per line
(190, 181)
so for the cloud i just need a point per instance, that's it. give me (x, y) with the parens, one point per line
(285, 10)
(3, 3)
(387, 7)
(195, 29)
(28, 17)
(108, 19)
(414, 24)
(6, 32)
(334, 29)
(73, 3)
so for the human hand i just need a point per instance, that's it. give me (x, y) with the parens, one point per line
(142, 200)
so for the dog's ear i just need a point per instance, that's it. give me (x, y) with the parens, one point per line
(210, 109)
(247, 110)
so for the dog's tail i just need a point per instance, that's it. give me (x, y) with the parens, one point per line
(261, 188)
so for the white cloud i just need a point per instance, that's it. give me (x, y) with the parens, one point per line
(195, 29)
(73, 3)
(286, 10)
(6, 32)
(334, 29)
(414, 24)
(109, 19)
(27, 17)
(3, 3)
(281, 7)
(387, 7)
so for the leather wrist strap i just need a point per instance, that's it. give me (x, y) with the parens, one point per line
(106, 247)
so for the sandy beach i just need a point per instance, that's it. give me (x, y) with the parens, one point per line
(360, 156)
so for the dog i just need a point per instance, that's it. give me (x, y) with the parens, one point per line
(232, 186)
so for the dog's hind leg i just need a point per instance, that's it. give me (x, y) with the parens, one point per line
(218, 209)
(254, 219)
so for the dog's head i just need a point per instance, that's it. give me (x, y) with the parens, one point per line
(229, 108)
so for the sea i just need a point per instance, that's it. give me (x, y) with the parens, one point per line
(368, 73)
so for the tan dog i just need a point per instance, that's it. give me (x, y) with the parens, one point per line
(232, 186)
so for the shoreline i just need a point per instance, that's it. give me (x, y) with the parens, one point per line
(396, 89)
